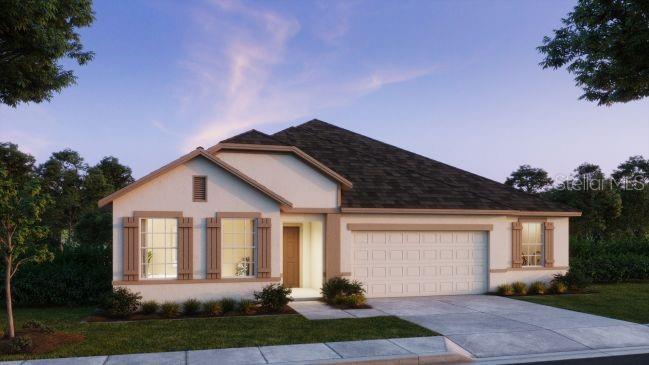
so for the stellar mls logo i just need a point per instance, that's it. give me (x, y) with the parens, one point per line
(572, 182)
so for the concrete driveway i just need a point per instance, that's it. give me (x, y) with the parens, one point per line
(491, 326)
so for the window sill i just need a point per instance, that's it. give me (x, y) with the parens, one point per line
(196, 281)
(533, 268)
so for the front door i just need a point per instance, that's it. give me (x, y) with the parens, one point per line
(291, 257)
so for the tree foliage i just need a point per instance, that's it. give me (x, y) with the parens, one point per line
(34, 37)
(605, 44)
(529, 179)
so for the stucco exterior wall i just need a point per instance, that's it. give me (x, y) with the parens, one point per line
(288, 176)
(173, 192)
(500, 242)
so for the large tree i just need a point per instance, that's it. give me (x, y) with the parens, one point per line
(529, 179)
(632, 180)
(605, 44)
(35, 36)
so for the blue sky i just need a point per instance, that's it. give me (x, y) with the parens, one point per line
(457, 81)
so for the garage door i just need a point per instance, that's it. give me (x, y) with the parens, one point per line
(412, 263)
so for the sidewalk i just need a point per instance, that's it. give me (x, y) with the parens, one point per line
(415, 350)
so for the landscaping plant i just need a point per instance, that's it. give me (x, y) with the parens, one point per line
(574, 280)
(247, 306)
(350, 301)
(37, 325)
(519, 287)
(21, 344)
(505, 290)
(557, 287)
(537, 288)
(120, 303)
(191, 307)
(150, 307)
(273, 297)
(228, 305)
(339, 286)
(170, 309)
(212, 308)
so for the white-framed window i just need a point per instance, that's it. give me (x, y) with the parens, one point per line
(238, 247)
(159, 248)
(532, 242)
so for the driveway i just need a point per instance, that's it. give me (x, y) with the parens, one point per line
(491, 326)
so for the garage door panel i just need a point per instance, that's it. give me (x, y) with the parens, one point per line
(420, 263)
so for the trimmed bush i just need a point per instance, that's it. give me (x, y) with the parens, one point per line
(150, 307)
(273, 298)
(120, 303)
(350, 301)
(212, 308)
(228, 305)
(557, 287)
(519, 287)
(610, 261)
(20, 344)
(340, 286)
(37, 325)
(170, 309)
(505, 290)
(537, 288)
(247, 306)
(191, 307)
(574, 279)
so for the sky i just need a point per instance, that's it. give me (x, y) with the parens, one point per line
(456, 81)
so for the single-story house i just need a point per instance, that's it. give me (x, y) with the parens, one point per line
(317, 201)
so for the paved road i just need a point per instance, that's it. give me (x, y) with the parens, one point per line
(640, 359)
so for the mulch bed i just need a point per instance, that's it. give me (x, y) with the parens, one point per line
(157, 316)
(42, 341)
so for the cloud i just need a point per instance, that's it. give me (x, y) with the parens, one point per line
(246, 68)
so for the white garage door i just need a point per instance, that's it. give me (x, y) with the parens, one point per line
(410, 263)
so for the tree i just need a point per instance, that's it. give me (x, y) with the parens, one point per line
(34, 37)
(16, 163)
(605, 43)
(62, 176)
(529, 179)
(21, 208)
(632, 180)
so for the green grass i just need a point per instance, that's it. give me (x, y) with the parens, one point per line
(206, 333)
(628, 301)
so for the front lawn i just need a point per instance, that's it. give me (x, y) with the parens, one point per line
(206, 333)
(628, 301)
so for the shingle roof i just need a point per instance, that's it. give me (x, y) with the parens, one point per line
(254, 136)
(386, 176)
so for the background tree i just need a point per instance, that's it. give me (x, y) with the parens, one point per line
(632, 178)
(21, 208)
(605, 43)
(34, 37)
(529, 179)
(62, 176)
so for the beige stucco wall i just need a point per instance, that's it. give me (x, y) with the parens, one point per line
(288, 176)
(500, 241)
(173, 192)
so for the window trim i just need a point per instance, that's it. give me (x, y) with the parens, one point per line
(253, 216)
(156, 214)
(542, 222)
(204, 179)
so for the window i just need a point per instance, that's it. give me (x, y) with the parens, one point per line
(238, 247)
(159, 248)
(199, 189)
(532, 242)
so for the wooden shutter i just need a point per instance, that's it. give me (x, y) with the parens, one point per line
(263, 247)
(213, 248)
(185, 248)
(517, 244)
(131, 248)
(199, 189)
(548, 244)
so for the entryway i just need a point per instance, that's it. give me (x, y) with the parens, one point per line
(303, 255)
(291, 266)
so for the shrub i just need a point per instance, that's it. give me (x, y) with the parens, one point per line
(612, 260)
(505, 290)
(350, 301)
(273, 297)
(20, 344)
(574, 279)
(37, 325)
(340, 286)
(228, 305)
(519, 287)
(212, 308)
(191, 307)
(557, 287)
(538, 287)
(247, 306)
(150, 307)
(121, 302)
(170, 309)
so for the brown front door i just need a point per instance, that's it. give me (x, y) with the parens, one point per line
(292, 257)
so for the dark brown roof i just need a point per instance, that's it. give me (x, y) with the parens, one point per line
(386, 176)
(254, 136)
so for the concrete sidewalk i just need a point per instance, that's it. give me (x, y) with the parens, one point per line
(415, 350)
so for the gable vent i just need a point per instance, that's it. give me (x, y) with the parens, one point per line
(200, 189)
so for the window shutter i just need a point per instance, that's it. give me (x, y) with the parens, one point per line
(199, 189)
(131, 249)
(263, 247)
(185, 248)
(213, 248)
(517, 244)
(548, 244)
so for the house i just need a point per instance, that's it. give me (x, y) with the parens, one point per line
(316, 201)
